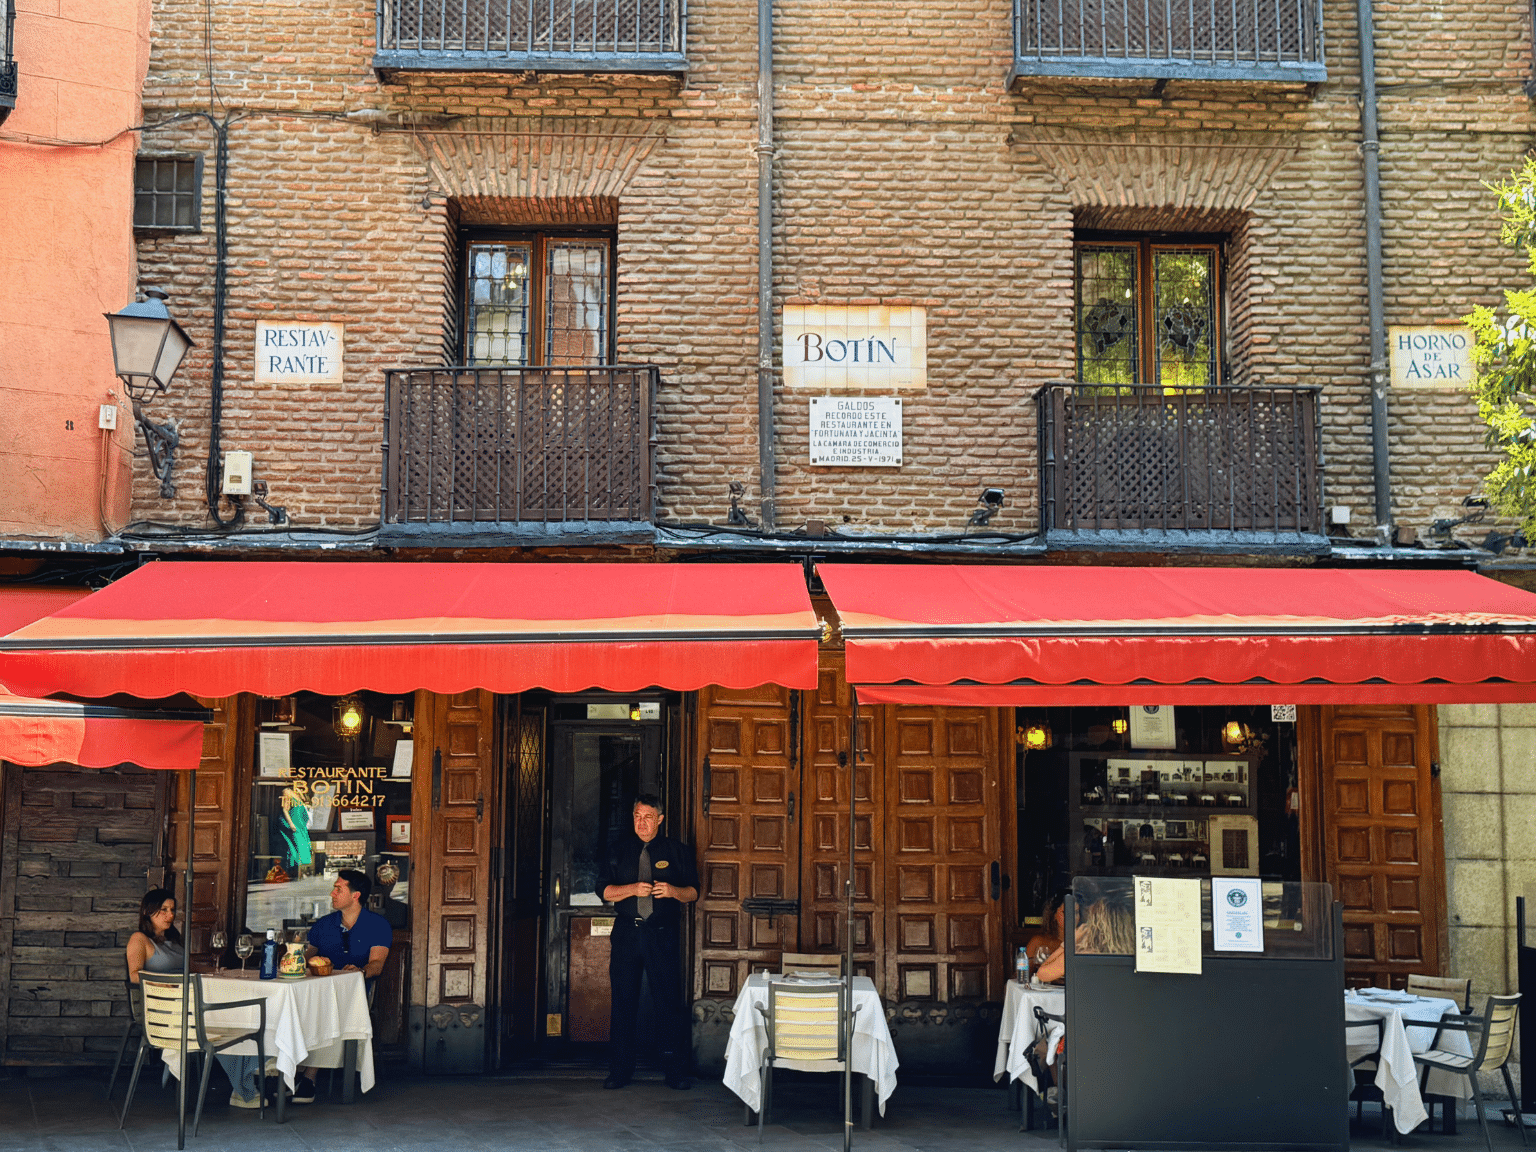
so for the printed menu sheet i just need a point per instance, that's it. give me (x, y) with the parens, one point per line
(1167, 925)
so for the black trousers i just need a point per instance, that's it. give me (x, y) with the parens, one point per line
(638, 951)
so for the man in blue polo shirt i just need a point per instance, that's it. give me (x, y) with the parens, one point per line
(353, 939)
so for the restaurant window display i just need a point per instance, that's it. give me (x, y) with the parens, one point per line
(330, 791)
(1186, 791)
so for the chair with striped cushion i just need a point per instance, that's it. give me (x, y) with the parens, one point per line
(1492, 1036)
(805, 1033)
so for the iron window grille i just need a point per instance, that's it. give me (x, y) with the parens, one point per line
(168, 193)
(1148, 312)
(537, 298)
(8, 62)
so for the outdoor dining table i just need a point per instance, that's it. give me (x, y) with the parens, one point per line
(1020, 1030)
(1396, 1074)
(873, 1052)
(314, 1022)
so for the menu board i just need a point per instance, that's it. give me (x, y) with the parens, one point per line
(1167, 925)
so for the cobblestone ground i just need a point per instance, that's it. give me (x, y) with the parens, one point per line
(547, 1114)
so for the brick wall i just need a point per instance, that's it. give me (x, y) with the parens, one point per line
(77, 849)
(905, 173)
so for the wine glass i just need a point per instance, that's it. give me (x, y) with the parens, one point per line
(218, 942)
(244, 946)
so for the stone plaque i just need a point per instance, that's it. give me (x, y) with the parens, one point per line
(856, 431)
(1436, 356)
(294, 353)
(863, 346)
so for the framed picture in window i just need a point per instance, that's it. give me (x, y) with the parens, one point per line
(399, 831)
(356, 819)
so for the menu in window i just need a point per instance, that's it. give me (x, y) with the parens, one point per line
(1167, 925)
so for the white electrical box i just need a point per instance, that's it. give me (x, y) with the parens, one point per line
(237, 473)
(107, 419)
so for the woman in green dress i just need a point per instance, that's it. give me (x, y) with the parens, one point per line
(293, 831)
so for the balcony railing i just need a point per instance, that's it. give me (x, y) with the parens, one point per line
(531, 35)
(1246, 40)
(482, 447)
(8, 60)
(1139, 458)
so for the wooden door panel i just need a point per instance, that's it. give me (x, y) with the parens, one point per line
(749, 840)
(944, 933)
(1381, 839)
(223, 808)
(452, 805)
(824, 905)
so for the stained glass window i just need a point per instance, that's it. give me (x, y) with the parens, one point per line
(1148, 313)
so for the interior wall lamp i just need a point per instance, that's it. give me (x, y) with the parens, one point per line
(1120, 725)
(148, 347)
(349, 717)
(1034, 737)
(1235, 732)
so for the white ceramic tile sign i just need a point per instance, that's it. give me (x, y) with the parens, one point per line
(855, 346)
(856, 431)
(294, 353)
(1437, 356)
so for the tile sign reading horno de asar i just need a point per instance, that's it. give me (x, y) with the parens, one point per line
(1435, 356)
(298, 353)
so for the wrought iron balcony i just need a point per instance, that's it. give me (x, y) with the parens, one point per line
(8, 62)
(531, 36)
(1244, 462)
(1239, 40)
(485, 450)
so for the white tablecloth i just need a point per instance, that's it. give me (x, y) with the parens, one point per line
(1396, 1074)
(1020, 1029)
(309, 1021)
(874, 1055)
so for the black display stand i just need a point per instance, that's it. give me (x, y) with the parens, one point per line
(1246, 1057)
(1525, 974)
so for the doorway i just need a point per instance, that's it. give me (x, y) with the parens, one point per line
(603, 752)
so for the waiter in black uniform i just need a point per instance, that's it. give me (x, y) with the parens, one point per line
(650, 877)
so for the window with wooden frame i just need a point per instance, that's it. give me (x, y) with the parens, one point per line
(1149, 311)
(168, 193)
(536, 298)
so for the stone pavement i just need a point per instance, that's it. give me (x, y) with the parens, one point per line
(535, 1112)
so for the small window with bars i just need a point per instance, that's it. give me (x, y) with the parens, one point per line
(168, 194)
(1148, 313)
(537, 299)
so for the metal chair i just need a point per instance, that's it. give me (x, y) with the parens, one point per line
(810, 962)
(805, 1033)
(161, 999)
(1495, 1036)
(128, 1027)
(1045, 1019)
(1443, 988)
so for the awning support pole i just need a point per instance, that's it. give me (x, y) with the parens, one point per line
(847, 1023)
(186, 967)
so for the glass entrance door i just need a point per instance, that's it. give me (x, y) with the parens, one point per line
(598, 770)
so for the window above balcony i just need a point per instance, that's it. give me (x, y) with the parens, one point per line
(592, 36)
(1244, 41)
(7, 59)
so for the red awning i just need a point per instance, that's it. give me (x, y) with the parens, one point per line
(217, 628)
(1001, 636)
(37, 732)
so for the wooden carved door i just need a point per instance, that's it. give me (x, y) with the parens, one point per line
(1382, 839)
(745, 818)
(452, 805)
(943, 903)
(824, 905)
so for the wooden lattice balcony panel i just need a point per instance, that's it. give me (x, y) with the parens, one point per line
(467, 446)
(1143, 458)
(1263, 41)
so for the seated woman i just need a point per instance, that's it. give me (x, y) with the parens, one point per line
(1048, 939)
(157, 947)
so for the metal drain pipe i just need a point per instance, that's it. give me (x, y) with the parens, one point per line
(765, 422)
(1370, 153)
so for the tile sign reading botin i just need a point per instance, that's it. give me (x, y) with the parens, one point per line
(294, 353)
(858, 346)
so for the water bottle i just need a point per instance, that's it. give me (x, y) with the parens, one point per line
(1021, 966)
(269, 956)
